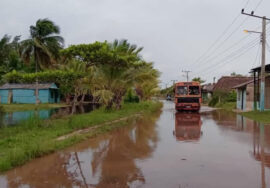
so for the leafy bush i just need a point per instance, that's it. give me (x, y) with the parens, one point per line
(213, 102)
(223, 97)
(131, 97)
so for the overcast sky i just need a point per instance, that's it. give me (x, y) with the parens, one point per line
(174, 33)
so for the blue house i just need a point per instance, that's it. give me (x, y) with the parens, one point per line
(25, 93)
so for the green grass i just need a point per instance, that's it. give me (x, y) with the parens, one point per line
(35, 138)
(263, 117)
(229, 106)
(23, 107)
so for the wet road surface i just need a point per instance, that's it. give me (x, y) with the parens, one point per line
(210, 149)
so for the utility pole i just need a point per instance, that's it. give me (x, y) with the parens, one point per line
(263, 41)
(187, 72)
(174, 81)
(36, 90)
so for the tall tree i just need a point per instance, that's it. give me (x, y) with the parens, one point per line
(44, 44)
(9, 54)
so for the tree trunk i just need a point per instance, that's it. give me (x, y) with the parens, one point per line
(82, 99)
(75, 100)
(67, 99)
(118, 101)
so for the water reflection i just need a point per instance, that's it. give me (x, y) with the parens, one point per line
(12, 118)
(105, 161)
(259, 132)
(233, 152)
(187, 126)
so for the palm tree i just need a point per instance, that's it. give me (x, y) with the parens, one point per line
(117, 75)
(43, 45)
(146, 81)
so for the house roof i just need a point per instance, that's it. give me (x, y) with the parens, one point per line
(246, 83)
(258, 69)
(208, 87)
(29, 86)
(226, 83)
(243, 84)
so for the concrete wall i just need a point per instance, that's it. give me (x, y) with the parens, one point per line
(249, 97)
(238, 102)
(247, 94)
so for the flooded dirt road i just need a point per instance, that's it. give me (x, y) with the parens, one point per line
(210, 149)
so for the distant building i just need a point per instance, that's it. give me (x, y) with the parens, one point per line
(25, 93)
(207, 91)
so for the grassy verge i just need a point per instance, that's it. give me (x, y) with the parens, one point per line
(24, 107)
(35, 138)
(229, 106)
(263, 117)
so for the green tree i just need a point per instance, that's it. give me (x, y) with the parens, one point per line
(111, 70)
(235, 74)
(43, 45)
(10, 54)
(198, 79)
(146, 81)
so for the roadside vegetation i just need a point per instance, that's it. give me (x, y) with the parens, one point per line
(262, 117)
(112, 74)
(35, 138)
(225, 100)
(105, 71)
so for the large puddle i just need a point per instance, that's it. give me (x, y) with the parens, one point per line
(13, 118)
(211, 149)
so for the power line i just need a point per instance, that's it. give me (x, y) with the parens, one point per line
(258, 5)
(232, 46)
(210, 71)
(230, 55)
(229, 60)
(219, 55)
(226, 39)
(220, 36)
(257, 54)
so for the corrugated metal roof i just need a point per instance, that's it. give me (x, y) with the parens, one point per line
(258, 69)
(28, 86)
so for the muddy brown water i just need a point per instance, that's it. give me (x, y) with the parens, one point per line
(210, 149)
